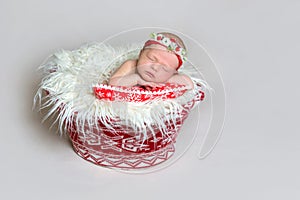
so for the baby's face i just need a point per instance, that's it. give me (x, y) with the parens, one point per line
(157, 65)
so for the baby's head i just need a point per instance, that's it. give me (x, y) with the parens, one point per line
(161, 57)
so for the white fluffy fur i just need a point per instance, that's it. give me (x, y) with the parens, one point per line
(70, 75)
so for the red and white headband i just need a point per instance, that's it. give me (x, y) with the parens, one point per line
(170, 44)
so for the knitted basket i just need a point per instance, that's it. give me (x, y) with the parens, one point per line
(118, 134)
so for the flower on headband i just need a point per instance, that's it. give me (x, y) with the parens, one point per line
(170, 44)
(166, 41)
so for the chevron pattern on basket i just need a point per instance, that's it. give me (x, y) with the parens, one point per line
(124, 162)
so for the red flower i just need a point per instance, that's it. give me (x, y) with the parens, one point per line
(177, 49)
(159, 38)
(172, 40)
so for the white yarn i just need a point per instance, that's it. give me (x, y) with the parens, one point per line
(69, 77)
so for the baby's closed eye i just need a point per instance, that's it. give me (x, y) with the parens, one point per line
(152, 58)
(165, 68)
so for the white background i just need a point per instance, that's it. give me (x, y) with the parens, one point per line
(256, 46)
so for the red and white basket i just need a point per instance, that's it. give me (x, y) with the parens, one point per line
(99, 133)
(121, 148)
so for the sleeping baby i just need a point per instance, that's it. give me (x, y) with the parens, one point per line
(157, 64)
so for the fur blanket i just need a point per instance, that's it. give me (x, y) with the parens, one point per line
(69, 77)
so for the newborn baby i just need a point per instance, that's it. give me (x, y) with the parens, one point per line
(158, 63)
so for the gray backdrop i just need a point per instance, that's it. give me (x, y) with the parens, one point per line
(255, 45)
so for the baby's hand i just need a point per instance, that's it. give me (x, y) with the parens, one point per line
(149, 85)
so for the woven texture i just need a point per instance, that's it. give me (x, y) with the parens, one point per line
(120, 148)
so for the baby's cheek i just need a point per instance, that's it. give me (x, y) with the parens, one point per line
(163, 77)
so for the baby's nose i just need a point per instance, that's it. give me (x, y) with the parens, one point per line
(154, 67)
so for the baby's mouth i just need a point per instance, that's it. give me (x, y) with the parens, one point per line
(149, 74)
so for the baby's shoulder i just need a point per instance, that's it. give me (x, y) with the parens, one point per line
(129, 66)
(131, 63)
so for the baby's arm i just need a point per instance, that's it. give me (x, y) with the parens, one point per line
(182, 79)
(126, 76)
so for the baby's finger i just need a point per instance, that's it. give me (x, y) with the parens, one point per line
(154, 85)
(160, 84)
